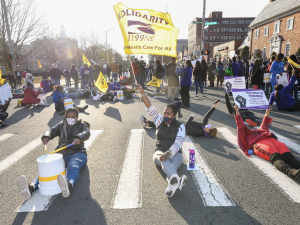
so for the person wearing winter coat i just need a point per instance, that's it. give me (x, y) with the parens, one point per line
(241, 64)
(74, 75)
(68, 77)
(18, 76)
(71, 130)
(86, 76)
(204, 72)
(55, 74)
(276, 68)
(197, 129)
(235, 67)
(246, 70)
(211, 75)
(45, 84)
(220, 76)
(31, 97)
(185, 82)
(12, 79)
(197, 77)
(173, 80)
(282, 97)
(266, 146)
(257, 75)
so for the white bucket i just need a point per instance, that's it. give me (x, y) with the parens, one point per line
(120, 95)
(267, 77)
(49, 167)
(68, 103)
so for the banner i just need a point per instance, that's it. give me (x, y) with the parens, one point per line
(101, 83)
(5, 93)
(293, 63)
(147, 32)
(155, 82)
(282, 79)
(85, 60)
(1, 79)
(250, 99)
(40, 65)
(234, 83)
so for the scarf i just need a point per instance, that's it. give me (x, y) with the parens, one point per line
(28, 80)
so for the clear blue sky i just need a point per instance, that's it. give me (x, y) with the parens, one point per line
(83, 16)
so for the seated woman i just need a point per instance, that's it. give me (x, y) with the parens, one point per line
(58, 97)
(266, 146)
(99, 96)
(3, 113)
(30, 95)
(169, 138)
(70, 130)
(282, 97)
(113, 86)
(45, 84)
(192, 128)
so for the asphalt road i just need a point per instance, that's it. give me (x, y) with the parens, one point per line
(257, 199)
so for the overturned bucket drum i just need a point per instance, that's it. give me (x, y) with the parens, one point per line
(49, 167)
(68, 103)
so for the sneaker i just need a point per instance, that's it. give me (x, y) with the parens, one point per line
(183, 179)
(173, 184)
(25, 188)
(195, 95)
(65, 186)
(85, 107)
(28, 106)
(142, 120)
(19, 102)
(203, 95)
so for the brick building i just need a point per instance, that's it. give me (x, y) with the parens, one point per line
(226, 29)
(276, 29)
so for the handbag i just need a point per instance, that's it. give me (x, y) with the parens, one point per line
(215, 72)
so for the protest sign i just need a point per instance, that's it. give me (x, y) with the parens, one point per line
(155, 82)
(250, 99)
(282, 79)
(234, 83)
(5, 93)
(101, 83)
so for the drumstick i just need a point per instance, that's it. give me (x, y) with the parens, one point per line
(60, 149)
(46, 148)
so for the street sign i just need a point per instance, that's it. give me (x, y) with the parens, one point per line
(207, 23)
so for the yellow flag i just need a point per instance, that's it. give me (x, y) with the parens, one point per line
(85, 60)
(101, 83)
(40, 65)
(293, 63)
(1, 79)
(147, 32)
(155, 82)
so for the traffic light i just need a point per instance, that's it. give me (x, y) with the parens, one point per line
(205, 52)
(9, 56)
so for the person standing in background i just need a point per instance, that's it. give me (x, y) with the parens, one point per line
(67, 76)
(235, 67)
(12, 79)
(114, 69)
(74, 75)
(197, 77)
(246, 71)
(18, 76)
(55, 74)
(211, 75)
(276, 68)
(204, 72)
(241, 64)
(173, 80)
(220, 77)
(185, 82)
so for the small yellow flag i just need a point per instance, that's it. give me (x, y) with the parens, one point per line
(1, 80)
(155, 82)
(293, 63)
(101, 83)
(40, 65)
(85, 60)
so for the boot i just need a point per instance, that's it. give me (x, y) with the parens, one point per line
(289, 158)
(281, 165)
(80, 109)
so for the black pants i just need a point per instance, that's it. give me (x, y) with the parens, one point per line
(185, 96)
(3, 113)
(12, 83)
(295, 107)
(107, 97)
(19, 80)
(220, 79)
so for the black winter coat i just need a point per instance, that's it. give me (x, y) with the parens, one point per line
(74, 74)
(80, 130)
(204, 72)
(197, 72)
(257, 75)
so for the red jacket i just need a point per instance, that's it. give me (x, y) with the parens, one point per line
(30, 96)
(247, 138)
(135, 69)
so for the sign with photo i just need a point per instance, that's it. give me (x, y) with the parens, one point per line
(250, 99)
(234, 83)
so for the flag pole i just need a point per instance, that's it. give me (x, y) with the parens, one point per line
(132, 68)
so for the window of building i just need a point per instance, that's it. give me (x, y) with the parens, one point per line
(225, 22)
(214, 30)
(266, 31)
(210, 30)
(218, 37)
(206, 37)
(287, 49)
(248, 21)
(210, 44)
(232, 21)
(290, 24)
(214, 38)
(231, 37)
(241, 22)
(217, 29)
(276, 27)
(224, 30)
(210, 37)
(264, 52)
(257, 34)
(239, 37)
(247, 30)
(206, 30)
(240, 30)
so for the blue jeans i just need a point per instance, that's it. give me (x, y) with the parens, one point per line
(56, 81)
(273, 83)
(198, 81)
(74, 163)
(114, 75)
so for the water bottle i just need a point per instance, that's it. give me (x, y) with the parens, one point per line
(192, 158)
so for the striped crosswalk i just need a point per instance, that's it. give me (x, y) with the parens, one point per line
(128, 190)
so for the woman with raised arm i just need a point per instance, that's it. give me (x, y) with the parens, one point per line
(266, 146)
(169, 138)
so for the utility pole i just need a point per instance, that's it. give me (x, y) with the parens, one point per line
(162, 57)
(106, 46)
(203, 25)
(10, 46)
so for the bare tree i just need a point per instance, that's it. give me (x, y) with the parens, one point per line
(26, 24)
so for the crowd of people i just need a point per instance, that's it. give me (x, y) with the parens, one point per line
(175, 81)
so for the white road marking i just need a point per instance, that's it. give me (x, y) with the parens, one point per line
(10, 160)
(39, 202)
(285, 184)
(208, 184)
(128, 193)
(297, 126)
(5, 136)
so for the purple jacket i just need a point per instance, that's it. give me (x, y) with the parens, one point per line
(185, 76)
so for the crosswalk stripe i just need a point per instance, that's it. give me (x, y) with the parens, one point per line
(5, 136)
(208, 184)
(128, 193)
(285, 184)
(39, 202)
(297, 126)
(10, 160)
